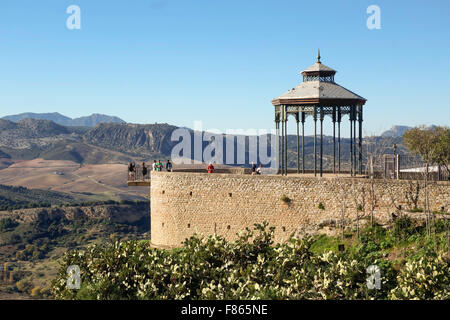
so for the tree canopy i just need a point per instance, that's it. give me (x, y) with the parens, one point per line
(432, 144)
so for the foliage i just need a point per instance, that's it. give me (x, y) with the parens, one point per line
(14, 198)
(432, 144)
(251, 267)
(284, 198)
(24, 285)
(404, 227)
(7, 223)
(321, 206)
(20, 197)
(424, 278)
(36, 292)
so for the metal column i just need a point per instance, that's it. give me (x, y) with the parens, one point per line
(360, 119)
(285, 140)
(315, 142)
(334, 139)
(282, 140)
(339, 139)
(298, 144)
(351, 146)
(321, 142)
(355, 164)
(303, 142)
(277, 130)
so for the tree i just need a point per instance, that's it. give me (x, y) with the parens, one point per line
(443, 148)
(433, 146)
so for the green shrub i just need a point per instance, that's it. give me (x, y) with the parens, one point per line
(285, 199)
(24, 285)
(404, 227)
(36, 292)
(7, 223)
(251, 267)
(425, 278)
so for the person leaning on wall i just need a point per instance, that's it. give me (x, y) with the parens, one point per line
(253, 168)
(131, 169)
(169, 166)
(144, 170)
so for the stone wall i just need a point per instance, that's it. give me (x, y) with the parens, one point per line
(186, 203)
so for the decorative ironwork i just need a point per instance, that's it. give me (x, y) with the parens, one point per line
(329, 78)
(318, 109)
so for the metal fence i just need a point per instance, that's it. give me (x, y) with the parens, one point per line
(138, 174)
(411, 168)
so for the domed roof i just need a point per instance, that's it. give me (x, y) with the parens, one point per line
(319, 87)
(318, 66)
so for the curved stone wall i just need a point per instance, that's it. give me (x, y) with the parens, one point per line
(186, 203)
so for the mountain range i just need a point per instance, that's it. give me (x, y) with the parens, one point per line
(89, 121)
(29, 139)
(398, 131)
(395, 131)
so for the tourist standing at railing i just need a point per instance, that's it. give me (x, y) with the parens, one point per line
(144, 170)
(169, 166)
(159, 166)
(259, 170)
(154, 165)
(253, 168)
(131, 170)
(210, 168)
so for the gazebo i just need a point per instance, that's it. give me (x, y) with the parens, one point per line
(318, 96)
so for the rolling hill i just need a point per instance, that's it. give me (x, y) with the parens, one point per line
(88, 121)
(124, 142)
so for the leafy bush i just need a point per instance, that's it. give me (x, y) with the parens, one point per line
(7, 223)
(36, 292)
(285, 199)
(251, 267)
(24, 285)
(404, 227)
(424, 278)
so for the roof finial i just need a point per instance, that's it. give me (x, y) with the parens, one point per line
(318, 56)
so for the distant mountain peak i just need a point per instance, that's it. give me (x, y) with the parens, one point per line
(398, 131)
(395, 131)
(87, 121)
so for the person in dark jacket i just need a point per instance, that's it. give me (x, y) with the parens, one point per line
(144, 170)
(169, 166)
(131, 170)
(253, 168)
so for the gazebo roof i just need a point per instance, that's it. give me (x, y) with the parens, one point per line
(318, 66)
(319, 87)
(321, 90)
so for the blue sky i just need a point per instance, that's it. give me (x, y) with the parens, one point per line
(222, 62)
